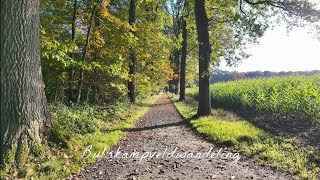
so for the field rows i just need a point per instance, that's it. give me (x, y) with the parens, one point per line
(295, 97)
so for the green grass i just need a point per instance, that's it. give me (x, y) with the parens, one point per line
(74, 129)
(227, 132)
(295, 97)
(226, 129)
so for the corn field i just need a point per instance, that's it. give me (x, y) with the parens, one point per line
(295, 96)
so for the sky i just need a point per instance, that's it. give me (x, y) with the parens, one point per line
(282, 51)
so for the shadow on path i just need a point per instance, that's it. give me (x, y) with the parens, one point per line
(180, 123)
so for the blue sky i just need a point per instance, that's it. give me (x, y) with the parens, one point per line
(282, 51)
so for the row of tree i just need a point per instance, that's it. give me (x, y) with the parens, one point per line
(96, 51)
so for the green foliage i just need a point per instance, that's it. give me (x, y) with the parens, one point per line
(21, 154)
(75, 120)
(50, 166)
(77, 127)
(279, 152)
(295, 97)
(106, 63)
(8, 157)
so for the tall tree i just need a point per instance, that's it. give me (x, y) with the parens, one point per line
(183, 61)
(73, 35)
(204, 107)
(85, 50)
(231, 30)
(176, 68)
(175, 10)
(132, 65)
(25, 119)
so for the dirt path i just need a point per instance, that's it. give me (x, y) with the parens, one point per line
(162, 128)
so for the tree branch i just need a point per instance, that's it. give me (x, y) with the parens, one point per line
(301, 9)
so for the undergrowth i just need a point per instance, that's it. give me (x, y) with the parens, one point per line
(74, 129)
(227, 129)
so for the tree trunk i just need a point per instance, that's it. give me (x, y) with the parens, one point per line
(177, 71)
(85, 54)
(56, 91)
(25, 118)
(132, 64)
(204, 107)
(183, 61)
(71, 71)
(170, 84)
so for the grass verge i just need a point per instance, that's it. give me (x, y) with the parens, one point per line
(74, 129)
(226, 129)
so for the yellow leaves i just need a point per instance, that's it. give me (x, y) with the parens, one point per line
(117, 22)
(105, 3)
(175, 75)
(120, 87)
(42, 31)
(142, 78)
(145, 2)
(104, 8)
(99, 41)
(111, 42)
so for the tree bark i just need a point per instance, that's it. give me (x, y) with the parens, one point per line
(73, 34)
(177, 71)
(204, 107)
(170, 84)
(25, 118)
(132, 64)
(183, 61)
(84, 55)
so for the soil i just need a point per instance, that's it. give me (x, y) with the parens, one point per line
(163, 128)
(307, 133)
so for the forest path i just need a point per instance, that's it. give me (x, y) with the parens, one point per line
(163, 128)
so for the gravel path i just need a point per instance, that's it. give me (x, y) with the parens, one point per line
(161, 130)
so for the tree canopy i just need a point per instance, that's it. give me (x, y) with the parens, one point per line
(103, 41)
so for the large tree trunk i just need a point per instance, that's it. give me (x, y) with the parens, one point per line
(73, 34)
(84, 55)
(132, 64)
(204, 107)
(25, 119)
(183, 61)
